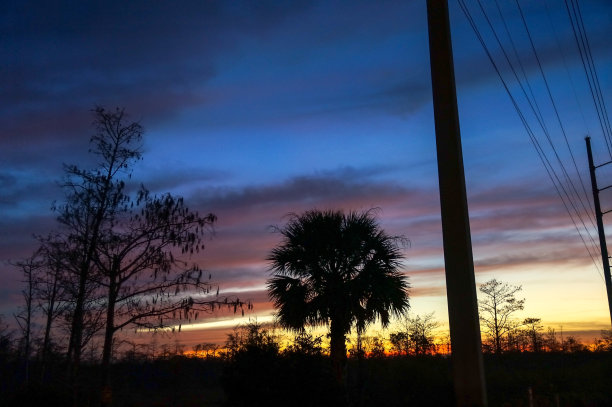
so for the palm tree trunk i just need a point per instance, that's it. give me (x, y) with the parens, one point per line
(337, 350)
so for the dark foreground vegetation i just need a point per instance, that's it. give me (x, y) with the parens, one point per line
(264, 378)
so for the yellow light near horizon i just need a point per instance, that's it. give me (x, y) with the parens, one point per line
(228, 323)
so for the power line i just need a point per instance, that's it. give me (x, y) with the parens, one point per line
(565, 66)
(554, 105)
(582, 42)
(547, 165)
(537, 111)
(540, 120)
(594, 69)
(574, 92)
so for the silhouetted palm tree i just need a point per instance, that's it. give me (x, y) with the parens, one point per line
(340, 270)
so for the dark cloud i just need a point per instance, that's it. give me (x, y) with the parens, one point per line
(348, 189)
(23, 194)
(158, 60)
(405, 98)
(7, 182)
(183, 179)
(530, 259)
(154, 58)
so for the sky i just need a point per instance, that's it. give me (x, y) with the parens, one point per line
(253, 110)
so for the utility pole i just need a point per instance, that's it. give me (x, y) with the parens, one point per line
(466, 352)
(600, 228)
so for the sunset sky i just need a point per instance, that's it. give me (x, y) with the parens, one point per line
(253, 110)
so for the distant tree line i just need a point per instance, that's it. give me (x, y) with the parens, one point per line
(504, 332)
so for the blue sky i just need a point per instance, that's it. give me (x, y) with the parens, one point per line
(256, 109)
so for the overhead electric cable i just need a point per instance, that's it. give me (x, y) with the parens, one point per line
(594, 69)
(549, 169)
(535, 108)
(580, 43)
(574, 92)
(536, 111)
(539, 117)
(554, 105)
(565, 66)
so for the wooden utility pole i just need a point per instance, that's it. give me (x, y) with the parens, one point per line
(600, 228)
(468, 370)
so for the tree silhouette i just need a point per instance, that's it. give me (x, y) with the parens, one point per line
(92, 198)
(416, 335)
(532, 330)
(145, 280)
(497, 304)
(44, 272)
(124, 250)
(24, 318)
(339, 270)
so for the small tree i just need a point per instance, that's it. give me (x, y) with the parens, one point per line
(572, 344)
(376, 347)
(305, 344)
(604, 344)
(24, 318)
(51, 290)
(416, 336)
(252, 338)
(516, 340)
(550, 341)
(497, 304)
(400, 342)
(421, 331)
(6, 340)
(533, 330)
(368, 346)
(207, 350)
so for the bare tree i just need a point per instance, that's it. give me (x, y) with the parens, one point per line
(127, 250)
(147, 283)
(550, 340)
(51, 289)
(6, 339)
(604, 344)
(376, 347)
(252, 337)
(497, 304)
(121, 257)
(400, 342)
(25, 316)
(304, 343)
(533, 331)
(92, 199)
(573, 344)
(416, 336)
